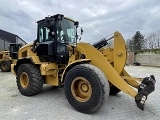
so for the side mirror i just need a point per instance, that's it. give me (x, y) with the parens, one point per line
(79, 31)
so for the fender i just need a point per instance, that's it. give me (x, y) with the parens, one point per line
(72, 64)
(14, 66)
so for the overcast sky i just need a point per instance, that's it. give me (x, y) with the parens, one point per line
(99, 18)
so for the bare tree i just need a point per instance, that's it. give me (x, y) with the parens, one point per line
(129, 44)
(153, 40)
(157, 39)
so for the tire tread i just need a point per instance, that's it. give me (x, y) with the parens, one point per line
(102, 81)
(37, 80)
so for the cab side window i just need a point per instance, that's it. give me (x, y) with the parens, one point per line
(44, 34)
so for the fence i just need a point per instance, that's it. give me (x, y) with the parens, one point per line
(148, 59)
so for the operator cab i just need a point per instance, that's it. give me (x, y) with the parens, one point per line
(13, 49)
(53, 35)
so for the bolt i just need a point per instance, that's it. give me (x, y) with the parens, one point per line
(120, 53)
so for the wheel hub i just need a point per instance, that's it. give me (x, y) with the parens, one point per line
(81, 89)
(24, 80)
(84, 87)
(4, 66)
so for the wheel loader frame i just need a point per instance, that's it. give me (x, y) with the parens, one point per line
(53, 67)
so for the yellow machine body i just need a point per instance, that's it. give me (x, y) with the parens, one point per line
(110, 60)
(87, 72)
(4, 55)
(5, 61)
(8, 57)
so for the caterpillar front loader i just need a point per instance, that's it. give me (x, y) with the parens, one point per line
(7, 57)
(89, 73)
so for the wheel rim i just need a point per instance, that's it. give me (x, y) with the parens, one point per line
(4, 66)
(81, 89)
(24, 80)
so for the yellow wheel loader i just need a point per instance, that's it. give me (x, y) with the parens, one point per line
(89, 73)
(5, 61)
(7, 57)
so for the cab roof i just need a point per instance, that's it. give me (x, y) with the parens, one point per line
(55, 16)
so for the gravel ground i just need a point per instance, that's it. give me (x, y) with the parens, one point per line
(51, 104)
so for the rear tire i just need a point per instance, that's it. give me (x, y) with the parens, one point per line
(114, 90)
(86, 88)
(5, 66)
(29, 80)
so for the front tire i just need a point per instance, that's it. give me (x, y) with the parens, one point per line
(86, 88)
(29, 80)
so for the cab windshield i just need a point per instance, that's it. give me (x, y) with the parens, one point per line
(66, 31)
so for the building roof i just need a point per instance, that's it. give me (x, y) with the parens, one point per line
(10, 37)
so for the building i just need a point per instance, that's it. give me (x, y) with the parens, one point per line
(6, 38)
